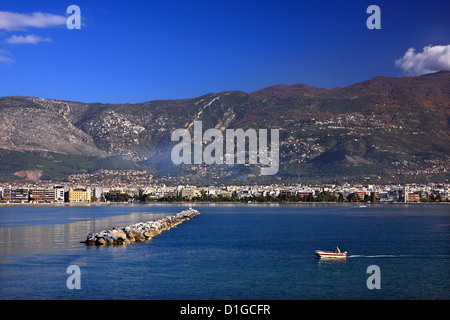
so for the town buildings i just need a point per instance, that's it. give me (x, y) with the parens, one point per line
(277, 192)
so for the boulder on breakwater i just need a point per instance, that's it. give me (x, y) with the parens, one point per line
(138, 232)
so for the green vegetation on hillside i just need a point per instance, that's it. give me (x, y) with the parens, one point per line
(55, 165)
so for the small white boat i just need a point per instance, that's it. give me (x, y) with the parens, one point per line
(330, 254)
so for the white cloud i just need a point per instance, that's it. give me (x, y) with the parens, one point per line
(5, 56)
(431, 59)
(19, 21)
(14, 21)
(29, 39)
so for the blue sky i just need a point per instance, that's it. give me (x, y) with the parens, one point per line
(134, 51)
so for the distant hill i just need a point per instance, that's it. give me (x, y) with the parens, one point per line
(282, 91)
(382, 129)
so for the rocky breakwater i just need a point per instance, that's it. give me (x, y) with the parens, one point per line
(138, 232)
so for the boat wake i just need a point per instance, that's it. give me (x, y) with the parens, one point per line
(436, 256)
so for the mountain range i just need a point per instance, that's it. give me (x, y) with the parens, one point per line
(382, 129)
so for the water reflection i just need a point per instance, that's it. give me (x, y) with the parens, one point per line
(329, 261)
(27, 240)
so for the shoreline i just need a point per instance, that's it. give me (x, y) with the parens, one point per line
(217, 202)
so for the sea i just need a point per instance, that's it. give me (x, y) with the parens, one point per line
(230, 251)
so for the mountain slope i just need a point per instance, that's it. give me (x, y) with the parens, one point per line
(285, 91)
(37, 124)
(383, 128)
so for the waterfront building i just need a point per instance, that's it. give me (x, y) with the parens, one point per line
(413, 197)
(59, 193)
(98, 192)
(16, 194)
(189, 192)
(42, 194)
(79, 195)
(49, 195)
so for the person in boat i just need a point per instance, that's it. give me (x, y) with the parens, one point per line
(337, 250)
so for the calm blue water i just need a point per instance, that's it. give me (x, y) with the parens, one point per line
(228, 252)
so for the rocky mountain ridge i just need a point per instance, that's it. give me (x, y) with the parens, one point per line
(381, 127)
